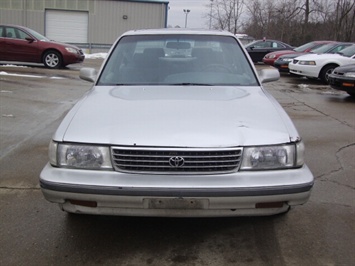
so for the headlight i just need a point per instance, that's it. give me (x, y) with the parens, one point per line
(310, 63)
(71, 50)
(350, 74)
(79, 156)
(273, 157)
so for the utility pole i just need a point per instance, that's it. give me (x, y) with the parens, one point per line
(186, 11)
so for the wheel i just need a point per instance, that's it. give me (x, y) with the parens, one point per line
(52, 59)
(216, 67)
(325, 72)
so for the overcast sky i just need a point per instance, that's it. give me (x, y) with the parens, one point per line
(195, 19)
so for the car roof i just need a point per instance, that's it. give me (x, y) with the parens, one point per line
(15, 26)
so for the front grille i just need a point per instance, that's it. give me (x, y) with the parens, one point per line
(295, 61)
(179, 161)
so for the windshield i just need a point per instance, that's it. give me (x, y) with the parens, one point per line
(348, 52)
(304, 47)
(324, 48)
(174, 59)
(37, 35)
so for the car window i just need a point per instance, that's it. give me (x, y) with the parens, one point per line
(2, 31)
(277, 45)
(21, 34)
(177, 60)
(264, 44)
(10, 32)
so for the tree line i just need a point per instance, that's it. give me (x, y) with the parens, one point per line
(292, 21)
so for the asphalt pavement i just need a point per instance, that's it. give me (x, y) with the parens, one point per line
(33, 100)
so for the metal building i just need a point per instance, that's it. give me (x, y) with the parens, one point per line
(90, 22)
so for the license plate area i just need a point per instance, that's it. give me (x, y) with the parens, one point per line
(176, 203)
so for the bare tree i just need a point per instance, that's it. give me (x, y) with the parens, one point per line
(226, 14)
(344, 20)
(292, 21)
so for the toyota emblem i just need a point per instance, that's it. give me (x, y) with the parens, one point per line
(176, 161)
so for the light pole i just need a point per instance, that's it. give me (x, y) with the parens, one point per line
(186, 11)
(211, 14)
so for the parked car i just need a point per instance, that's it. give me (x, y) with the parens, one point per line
(160, 135)
(343, 78)
(18, 43)
(321, 65)
(282, 62)
(270, 58)
(259, 48)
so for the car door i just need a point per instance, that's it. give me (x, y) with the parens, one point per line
(2, 42)
(20, 46)
(259, 50)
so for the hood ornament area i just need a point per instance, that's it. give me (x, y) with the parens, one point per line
(176, 161)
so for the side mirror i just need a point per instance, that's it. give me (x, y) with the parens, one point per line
(88, 74)
(268, 75)
(29, 39)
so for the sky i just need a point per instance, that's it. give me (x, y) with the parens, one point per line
(195, 19)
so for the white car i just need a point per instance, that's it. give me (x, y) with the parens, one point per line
(164, 133)
(319, 66)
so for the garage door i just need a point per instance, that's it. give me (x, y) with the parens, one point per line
(67, 26)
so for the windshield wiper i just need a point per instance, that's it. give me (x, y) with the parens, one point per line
(190, 84)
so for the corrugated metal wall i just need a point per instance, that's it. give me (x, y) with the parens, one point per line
(112, 18)
(107, 18)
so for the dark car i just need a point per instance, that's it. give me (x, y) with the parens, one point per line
(18, 43)
(282, 62)
(270, 58)
(343, 78)
(258, 49)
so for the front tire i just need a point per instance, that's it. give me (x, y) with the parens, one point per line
(325, 72)
(52, 59)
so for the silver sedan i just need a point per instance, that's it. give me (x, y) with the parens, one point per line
(177, 124)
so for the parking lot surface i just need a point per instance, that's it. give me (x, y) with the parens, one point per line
(33, 100)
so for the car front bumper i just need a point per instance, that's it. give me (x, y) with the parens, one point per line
(269, 61)
(282, 66)
(235, 194)
(342, 83)
(304, 70)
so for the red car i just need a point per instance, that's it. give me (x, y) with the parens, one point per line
(270, 58)
(18, 43)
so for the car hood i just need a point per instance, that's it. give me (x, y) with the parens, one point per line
(279, 53)
(181, 116)
(346, 68)
(320, 56)
(292, 55)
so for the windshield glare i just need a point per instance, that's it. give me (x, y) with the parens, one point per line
(177, 60)
(38, 36)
